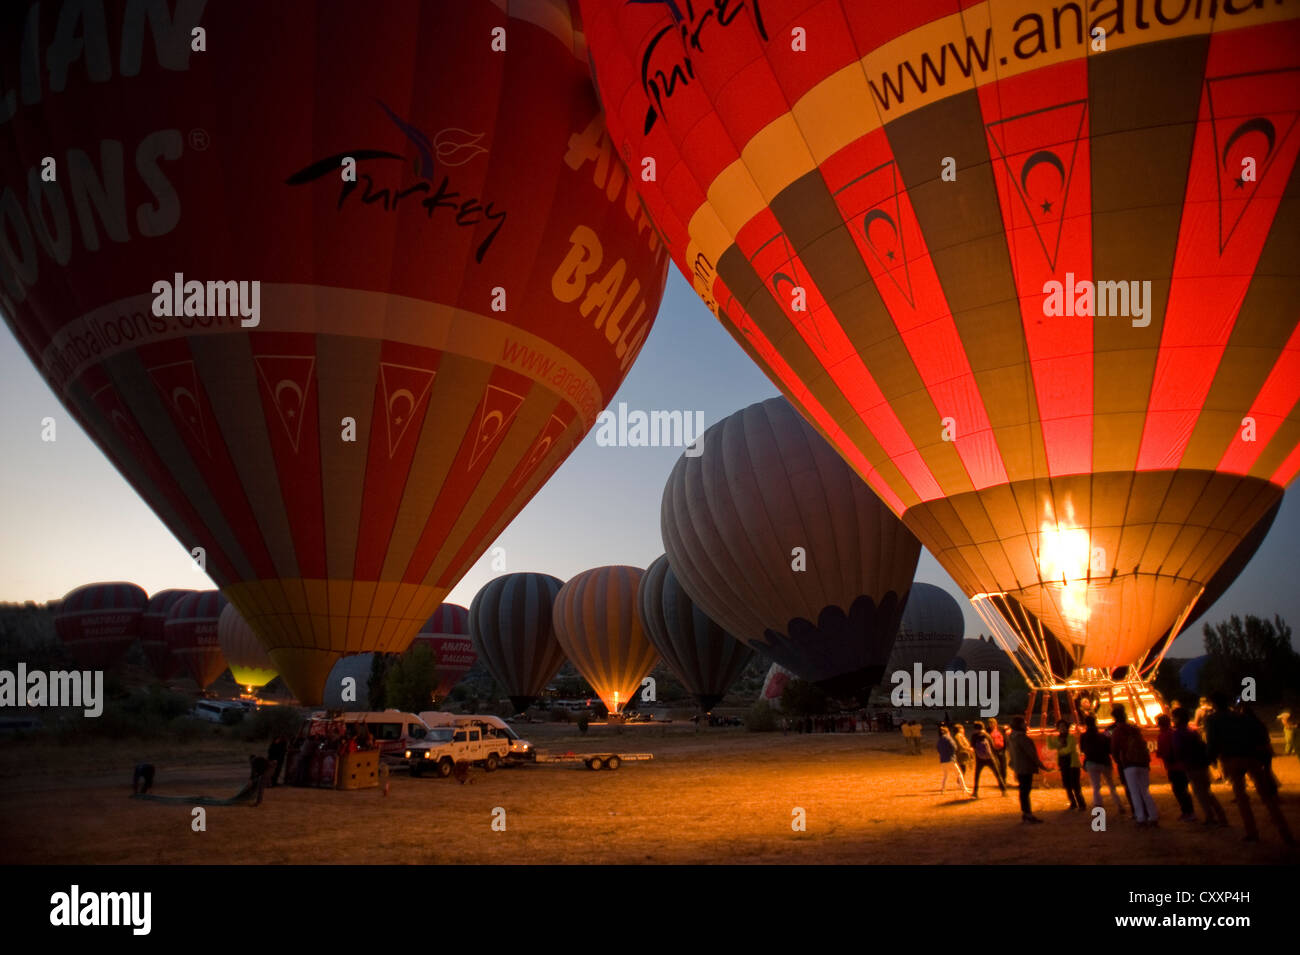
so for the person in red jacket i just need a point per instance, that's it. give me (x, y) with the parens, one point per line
(1134, 761)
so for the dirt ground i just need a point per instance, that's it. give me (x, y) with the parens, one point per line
(719, 796)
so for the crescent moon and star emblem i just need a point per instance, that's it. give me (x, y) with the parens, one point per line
(1044, 157)
(407, 399)
(285, 385)
(882, 241)
(1257, 125)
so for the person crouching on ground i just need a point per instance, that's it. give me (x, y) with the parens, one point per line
(1134, 761)
(948, 760)
(1023, 755)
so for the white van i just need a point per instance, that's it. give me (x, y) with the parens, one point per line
(493, 728)
(214, 710)
(391, 730)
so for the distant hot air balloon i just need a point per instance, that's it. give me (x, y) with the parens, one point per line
(153, 638)
(778, 541)
(1043, 303)
(447, 634)
(511, 625)
(249, 662)
(191, 629)
(981, 654)
(1189, 677)
(337, 337)
(930, 632)
(774, 684)
(99, 622)
(597, 624)
(342, 695)
(703, 656)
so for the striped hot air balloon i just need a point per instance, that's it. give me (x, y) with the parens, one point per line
(597, 624)
(702, 655)
(774, 684)
(248, 660)
(511, 625)
(191, 630)
(99, 622)
(1030, 266)
(338, 336)
(446, 633)
(153, 637)
(777, 540)
(930, 632)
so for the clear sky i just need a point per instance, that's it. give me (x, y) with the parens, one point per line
(67, 518)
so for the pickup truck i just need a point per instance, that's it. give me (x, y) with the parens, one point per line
(444, 746)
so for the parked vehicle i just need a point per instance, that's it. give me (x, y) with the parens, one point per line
(214, 711)
(493, 727)
(392, 731)
(465, 742)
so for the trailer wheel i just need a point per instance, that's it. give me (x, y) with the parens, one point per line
(613, 763)
(444, 767)
(595, 763)
(491, 762)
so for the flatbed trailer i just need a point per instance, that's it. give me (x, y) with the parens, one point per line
(605, 760)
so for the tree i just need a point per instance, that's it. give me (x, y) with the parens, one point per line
(411, 680)
(1256, 648)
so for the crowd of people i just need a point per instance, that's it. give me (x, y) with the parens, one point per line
(1189, 745)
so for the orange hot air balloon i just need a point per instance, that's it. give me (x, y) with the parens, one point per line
(447, 634)
(336, 337)
(248, 660)
(153, 638)
(99, 622)
(191, 630)
(1035, 282)
(599, 627)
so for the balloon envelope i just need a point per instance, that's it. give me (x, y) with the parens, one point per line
(511, 625)
(700, 653)
(930, 632)
(99, 622)
(777, 540)
(339, 336)
(1042, 301)
(153, 637)
(248, 660)
(597, 624)
(191, 630)
(774, 684)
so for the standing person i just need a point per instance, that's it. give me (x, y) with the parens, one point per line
(917, 733)
(1288, 733)
(999, 745)
(948, 760)
(1066, 747)
(1024, 763)
(275, 754)
(982, 744)
(1190, 751)
(1134, 761)
(142, 779)
(1096, 760)
(259, 770)
(965, 753)
(1233, 739)
(1174, 769)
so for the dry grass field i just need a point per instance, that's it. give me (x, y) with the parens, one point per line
(719, 796)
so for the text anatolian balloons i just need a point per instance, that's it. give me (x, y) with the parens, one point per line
(1031, 267)
(152, 636)
(778, 541)
(447, 634)
(597, 624)
(700, 653)
(336, 293)
(249, 662)
(510, 622)
(930, 632)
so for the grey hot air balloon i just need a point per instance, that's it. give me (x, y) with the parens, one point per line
(931, 630)
(766, 493)
(700, 653)
(511, 626)
(597, 624)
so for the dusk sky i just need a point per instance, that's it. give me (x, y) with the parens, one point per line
(69, 519)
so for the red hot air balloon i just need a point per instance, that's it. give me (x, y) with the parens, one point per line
(191, 630)
(339, 336)
(447, 634)
(597, 624)
(153, 637)
(99, 622)
(1030, 267)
